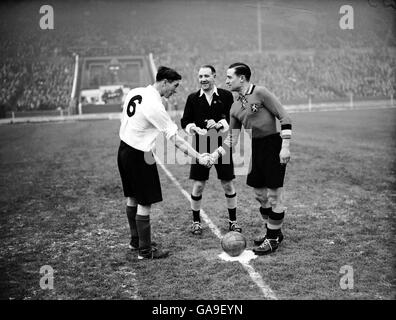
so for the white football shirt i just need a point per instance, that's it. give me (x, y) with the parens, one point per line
(143, 118)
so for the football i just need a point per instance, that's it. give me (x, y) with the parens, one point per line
(233, 243)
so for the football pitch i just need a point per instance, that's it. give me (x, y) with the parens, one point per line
(62, 206)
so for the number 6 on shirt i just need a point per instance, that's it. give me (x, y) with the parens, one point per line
(133, 105)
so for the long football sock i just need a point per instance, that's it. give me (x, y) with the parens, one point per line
(131, 215)
(196, 216)
(231, 200)
(144, 231)
(196, 207)
(265, 212)
(275, 222)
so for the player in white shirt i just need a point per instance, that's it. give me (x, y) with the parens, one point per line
(143, 118)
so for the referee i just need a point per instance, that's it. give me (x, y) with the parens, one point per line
(143, 118)
(206, 115)
(256, 109)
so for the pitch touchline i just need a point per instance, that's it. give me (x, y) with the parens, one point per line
(254, 275)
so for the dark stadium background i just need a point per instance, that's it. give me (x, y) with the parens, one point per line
(302, 52)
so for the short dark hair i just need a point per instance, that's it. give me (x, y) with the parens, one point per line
(167, 73)
(241, 69)
(209, 67)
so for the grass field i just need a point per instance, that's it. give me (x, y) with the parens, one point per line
(62, 205)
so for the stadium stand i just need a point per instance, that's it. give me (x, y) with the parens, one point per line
(302, 59)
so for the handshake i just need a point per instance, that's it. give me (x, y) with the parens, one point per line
(208, 159)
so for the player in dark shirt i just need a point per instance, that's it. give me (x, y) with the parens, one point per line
(256, 109)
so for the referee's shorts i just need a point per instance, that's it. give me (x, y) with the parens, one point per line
(266, 171)
(140, 180)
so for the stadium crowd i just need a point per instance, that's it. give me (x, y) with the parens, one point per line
(294, 77)
(32, 82)
(37, 67)
(48, 87)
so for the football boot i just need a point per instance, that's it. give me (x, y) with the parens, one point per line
(260, 239)
(268, 246)
(196, 228)
(134, 244)
(152, 253)
(234, 226)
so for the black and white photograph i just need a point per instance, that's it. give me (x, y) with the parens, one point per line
(196, 156)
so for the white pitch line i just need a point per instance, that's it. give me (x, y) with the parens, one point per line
(254, 275)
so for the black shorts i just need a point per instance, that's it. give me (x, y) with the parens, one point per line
(140, 180)
(224, 172)
(266, 171)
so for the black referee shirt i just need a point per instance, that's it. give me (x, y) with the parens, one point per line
(197, 108)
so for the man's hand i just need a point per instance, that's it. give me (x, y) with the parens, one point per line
(284, 155)
(219, 126)
(206, 160)
(210, 124)
(199, 131)
(217, 154)
(213, 124)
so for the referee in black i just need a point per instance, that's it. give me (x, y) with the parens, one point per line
(207, 115)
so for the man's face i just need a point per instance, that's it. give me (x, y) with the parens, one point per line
(206, 79)
(233, 81)
(170, 87)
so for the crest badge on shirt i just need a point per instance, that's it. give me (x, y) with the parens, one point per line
(254, 107)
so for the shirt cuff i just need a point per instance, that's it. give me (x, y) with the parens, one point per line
(286, 134)
(188, 128)
(225, 125)
(286, 131)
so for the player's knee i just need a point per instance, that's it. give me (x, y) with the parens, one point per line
(275, 199)
(144, 210)
(131, 202)
(198, 188)
(261, 197)
(228, 187)
(262, 200)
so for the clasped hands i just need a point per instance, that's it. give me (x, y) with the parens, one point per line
(213, 124)
(207, 159)
(210, 124)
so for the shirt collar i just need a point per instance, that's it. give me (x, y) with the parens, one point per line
(201, 92)
(249, 90)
